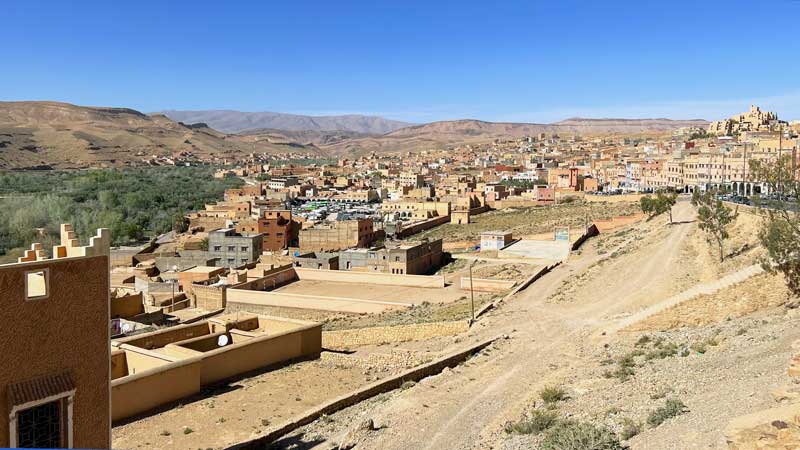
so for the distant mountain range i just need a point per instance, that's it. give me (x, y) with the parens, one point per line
(238, 121)
(45, 134)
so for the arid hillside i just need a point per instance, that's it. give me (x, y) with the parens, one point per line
(61, 135)
(437, 135)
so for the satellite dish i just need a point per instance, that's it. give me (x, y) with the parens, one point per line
(222, 341)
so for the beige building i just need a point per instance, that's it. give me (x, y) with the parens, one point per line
(753, 120)
(338, 236)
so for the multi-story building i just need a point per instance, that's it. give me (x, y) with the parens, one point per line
(340, 235)
(405, 259)
(54, 336)
(234, 249)
(412, 179)
(277, 228)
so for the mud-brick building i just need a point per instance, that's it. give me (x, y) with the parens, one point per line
(54, 341)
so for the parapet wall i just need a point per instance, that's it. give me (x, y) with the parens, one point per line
(423, 225)
(367, 278)
(486, 285)
(605, 225)
(345, 339)
(136, 394)
(127, 306)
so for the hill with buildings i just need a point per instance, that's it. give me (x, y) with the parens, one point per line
(238, 121)
(62, 135)
(447, 133)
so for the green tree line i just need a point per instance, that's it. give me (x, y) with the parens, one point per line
(136, 203)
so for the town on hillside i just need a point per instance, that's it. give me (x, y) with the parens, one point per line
(506, 293)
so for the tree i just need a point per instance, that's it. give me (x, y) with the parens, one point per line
(714, 218)
(780, 232)
(659, 205)
(648, 206)
(664, 203)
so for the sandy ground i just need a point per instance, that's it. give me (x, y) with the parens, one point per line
(557, 335)
(562, 342)
(404, 294)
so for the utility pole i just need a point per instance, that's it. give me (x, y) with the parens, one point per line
(780, 162)
(471, 292)
(744, 175)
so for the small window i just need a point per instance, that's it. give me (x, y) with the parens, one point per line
(231, 248)
(217, 248)
(244, 249)
(36, 284)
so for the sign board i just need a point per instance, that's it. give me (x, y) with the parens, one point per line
(562, 234)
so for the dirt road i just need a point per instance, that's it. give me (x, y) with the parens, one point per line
(468, 408)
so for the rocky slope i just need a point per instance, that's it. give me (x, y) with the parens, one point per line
(61, 135)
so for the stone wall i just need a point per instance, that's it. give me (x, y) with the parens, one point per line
(383, 335)
(486, 285)
(423, 281)
(210, 298)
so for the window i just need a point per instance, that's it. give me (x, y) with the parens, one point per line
(36, 284)
(244, 260)
(244, 249)
(40, 426)
(231, 248)
(217, 248)
(231, 261)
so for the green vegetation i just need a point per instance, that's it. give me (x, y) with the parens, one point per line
(661, 203)
(134, 203)
(553, 394)
(780, 234)
(714, 218)
(571, 435)
(524, 183)
(672, 408)
(630, 428)
(536, 422)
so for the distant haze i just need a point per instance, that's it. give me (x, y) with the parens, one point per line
(237, 121)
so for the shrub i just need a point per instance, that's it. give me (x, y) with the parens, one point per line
(672, 408)
(630, 429)
(553, 394)
(187, 430)
(644, 340)
(579, 436)
(535, 423)
(622, 373)
(663, 351)
(408, 384)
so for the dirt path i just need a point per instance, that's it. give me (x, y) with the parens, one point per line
(468, 408)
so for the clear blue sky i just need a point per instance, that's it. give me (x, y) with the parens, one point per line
(409, 60)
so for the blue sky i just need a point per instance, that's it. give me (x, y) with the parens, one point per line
(417, 61)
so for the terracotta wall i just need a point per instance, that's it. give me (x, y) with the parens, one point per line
(370, 278)
(166, 336)
(127, 306)
(486, 285)
(259, 352)
(146, 390)
(67, 331)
